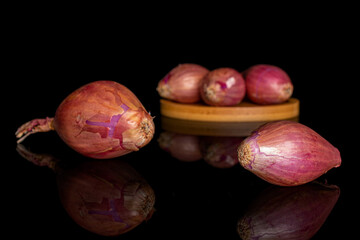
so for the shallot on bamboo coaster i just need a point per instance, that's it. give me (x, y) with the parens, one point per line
(243, 112)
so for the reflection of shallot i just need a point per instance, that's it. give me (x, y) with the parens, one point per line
(182, 147)
(102, 119)
(220, 152)
(288, 213)
(106, 197)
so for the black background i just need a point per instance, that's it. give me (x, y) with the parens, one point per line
(47, 62)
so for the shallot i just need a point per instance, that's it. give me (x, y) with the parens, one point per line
(102, 119)
(287, 153)
(223, 87)
(182, 83)
(267, 84)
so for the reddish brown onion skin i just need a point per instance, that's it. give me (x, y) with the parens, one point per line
(287, 153)
(102, 119)
(81, 120)
(223, 87)
(267, 84)
(182, 83)
(295, 213)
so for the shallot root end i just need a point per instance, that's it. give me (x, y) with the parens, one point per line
(247, 150)
(34, 126)
(245, 156)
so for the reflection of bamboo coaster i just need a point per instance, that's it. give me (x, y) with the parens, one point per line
(203, 128)
(244, 112)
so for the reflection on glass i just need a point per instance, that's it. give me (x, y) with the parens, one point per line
(288, 213)
(214, 142)
(201, 128)
(106, 197)
(181, 146)
(220, 152)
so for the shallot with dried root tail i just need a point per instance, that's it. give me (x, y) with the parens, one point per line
(102, 119)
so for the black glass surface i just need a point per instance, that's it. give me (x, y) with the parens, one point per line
(194, 199)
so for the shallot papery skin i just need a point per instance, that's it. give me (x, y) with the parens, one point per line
(182, 83)
(223, 87)
(287, 153)
(102, 119)
(267, 84)
(282, 213)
